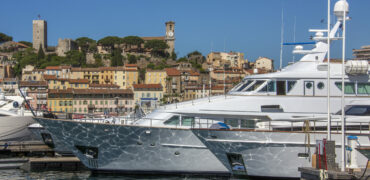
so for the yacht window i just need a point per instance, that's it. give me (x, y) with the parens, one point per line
(320, 85)
(349, 87)
(249, 124)
(174, 120)
(280, 87)
(232, 122)
(187, 121)
(291, 85)
(363, 88)
(255, 86)
(269, 87)
(247, 83)
(358, 111)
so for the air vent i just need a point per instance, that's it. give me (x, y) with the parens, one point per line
(271, 108)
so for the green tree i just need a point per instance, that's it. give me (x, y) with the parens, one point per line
(4, 38)
(86, 44)
(98, 60)
(157, 47)
(76, 58)
(194, 53)
(29, 44)
(116, 58)
(150, 66)
(173, 55)
(132, 59)
(40, 53)
(133, 40)
(142, 75)
(110, 41)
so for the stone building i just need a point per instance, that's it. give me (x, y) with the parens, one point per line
(222, 59)
(363, 53)
(65, 45)
(39, 34)
(264, 63)
(148, 96)
(170, 36)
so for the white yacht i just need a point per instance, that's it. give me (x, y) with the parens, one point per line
(197, 136)
(14, 119)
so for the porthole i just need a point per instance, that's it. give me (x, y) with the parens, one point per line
(177, 153)
(309, 85)
(152, 144)
(139, 143)
(320, 85)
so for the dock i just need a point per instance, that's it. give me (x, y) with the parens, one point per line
(24, 149)
(53, 164)
(35, 156)
(309, 173)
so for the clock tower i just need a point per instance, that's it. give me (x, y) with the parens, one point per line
(170, 36)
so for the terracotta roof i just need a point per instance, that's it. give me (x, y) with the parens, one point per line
(103, 86)
(49, 77)
(147, 86)
(172, 72)
(60, 91)
(81, 81)
(120, 68)
(90, 91)
(193, 73)
(228, 72)
(152, 38)
(102, 91)
(130, 65)
(155, 70)
(57, 67)
(33, 83)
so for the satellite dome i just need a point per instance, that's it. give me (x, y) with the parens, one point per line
(299, 47)
(319, 34)
(339, 7)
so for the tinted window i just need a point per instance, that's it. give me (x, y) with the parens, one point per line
(349, 87)
(247, 83)
(187, 121)
(363, 88)
(358, 111)
(255, 86)
(174, 120)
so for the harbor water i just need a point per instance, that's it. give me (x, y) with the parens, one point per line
(17, 174)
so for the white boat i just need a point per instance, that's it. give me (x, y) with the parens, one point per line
(14, 119)
(175, 138)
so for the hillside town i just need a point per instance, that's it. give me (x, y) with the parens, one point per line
(116, 75)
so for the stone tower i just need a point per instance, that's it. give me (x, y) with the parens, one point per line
(40, 34)
(170, 36)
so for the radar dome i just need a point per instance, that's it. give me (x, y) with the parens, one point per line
(299, 47)
(339, 7)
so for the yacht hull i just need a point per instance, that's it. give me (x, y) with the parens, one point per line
(135, 149)
(268, 154)
(14, 128)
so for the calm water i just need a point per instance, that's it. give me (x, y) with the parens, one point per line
(16, 174)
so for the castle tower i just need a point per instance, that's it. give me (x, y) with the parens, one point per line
(39, 34)
(170, 36)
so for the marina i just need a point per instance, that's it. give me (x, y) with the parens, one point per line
(308, 120)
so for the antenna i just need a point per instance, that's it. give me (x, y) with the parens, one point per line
(281, 38)
(295, 19)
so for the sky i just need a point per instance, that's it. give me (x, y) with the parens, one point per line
(249, 26)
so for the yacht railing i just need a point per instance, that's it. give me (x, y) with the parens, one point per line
(353, 125)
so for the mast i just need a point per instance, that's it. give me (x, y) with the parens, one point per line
(342, 99)
(281, 38)
(328, 78)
